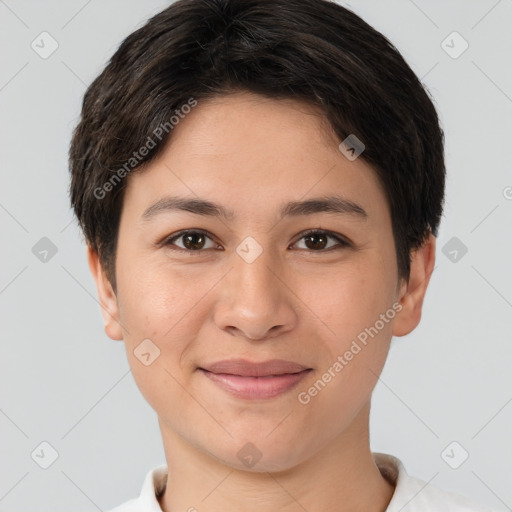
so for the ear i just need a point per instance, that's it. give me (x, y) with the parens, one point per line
(106, 295)
(413, 291)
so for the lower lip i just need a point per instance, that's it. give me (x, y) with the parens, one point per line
(255, 388)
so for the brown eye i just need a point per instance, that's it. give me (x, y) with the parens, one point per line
(191, 241)
(197, 240)
(317, 240)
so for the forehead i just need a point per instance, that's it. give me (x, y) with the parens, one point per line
(249, 152)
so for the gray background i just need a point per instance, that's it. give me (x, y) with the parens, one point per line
(64, 382)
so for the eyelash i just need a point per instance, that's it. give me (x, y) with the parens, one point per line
(168, 242)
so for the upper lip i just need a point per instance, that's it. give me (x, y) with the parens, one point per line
(246, 368)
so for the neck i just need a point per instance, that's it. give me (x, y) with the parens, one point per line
(342, 476)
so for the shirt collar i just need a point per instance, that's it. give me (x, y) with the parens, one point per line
(153, 486)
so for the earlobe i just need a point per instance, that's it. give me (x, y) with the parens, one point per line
(413, 291)
(106, 296)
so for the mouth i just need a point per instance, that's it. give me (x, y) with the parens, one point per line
(255, 380)
(246, 368)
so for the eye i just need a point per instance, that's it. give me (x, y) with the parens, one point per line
(193, 241)
(317, 240)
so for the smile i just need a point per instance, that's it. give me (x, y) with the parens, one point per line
(256, 388)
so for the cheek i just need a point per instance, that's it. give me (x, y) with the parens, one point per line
(159, 306)
(169, 306)
(356, 314)
(354, 347)
(349, 298)
(156, 297)
(358, 324)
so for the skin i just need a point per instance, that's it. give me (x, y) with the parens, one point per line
(294, 301)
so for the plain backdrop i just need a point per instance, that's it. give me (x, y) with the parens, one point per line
(67, 397)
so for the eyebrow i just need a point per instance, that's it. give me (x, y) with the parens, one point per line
(330, 204)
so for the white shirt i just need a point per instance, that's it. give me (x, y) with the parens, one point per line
(411, 494)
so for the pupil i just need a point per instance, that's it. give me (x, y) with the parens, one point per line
(321, 245)
(189, 241)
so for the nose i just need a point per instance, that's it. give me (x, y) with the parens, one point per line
(255, 299)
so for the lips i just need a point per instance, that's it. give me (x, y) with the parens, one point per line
(255, 381)
(246, 368)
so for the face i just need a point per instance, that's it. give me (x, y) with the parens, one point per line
(253, 284)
